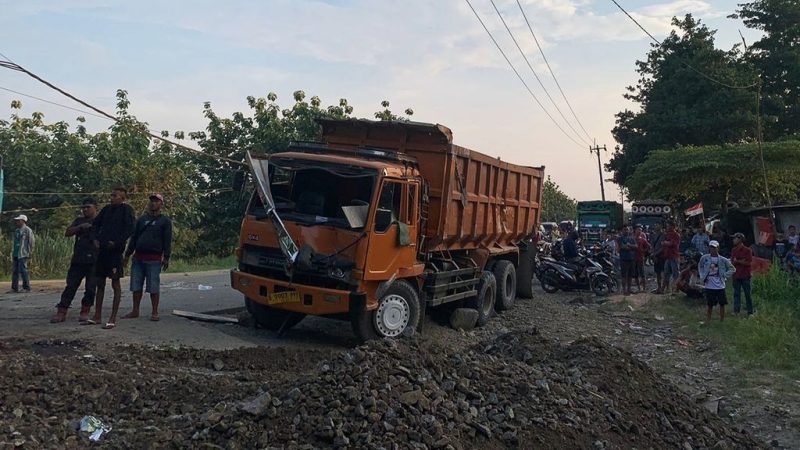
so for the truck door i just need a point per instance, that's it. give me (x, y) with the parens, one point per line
(393, 237)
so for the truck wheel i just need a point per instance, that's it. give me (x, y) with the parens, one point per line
(398, 314)
(525, 274)
(506, 278)
(484, 302)
(270, 318)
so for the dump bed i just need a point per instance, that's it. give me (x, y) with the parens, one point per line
(474, 200)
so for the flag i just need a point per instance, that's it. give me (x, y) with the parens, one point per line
(695, 210)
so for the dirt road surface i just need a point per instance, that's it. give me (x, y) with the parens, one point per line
(557, 371)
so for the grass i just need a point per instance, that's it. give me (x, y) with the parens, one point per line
(52, 254)
(768, 340)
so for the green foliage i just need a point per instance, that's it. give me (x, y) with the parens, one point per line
(556, 205)
(716, 174)
(679, 106)
(776, 56)
(52, 254)
(769, 340)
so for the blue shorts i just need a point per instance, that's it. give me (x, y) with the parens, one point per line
(671, 269)
(149, 271)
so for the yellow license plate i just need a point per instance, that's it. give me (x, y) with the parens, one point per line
(284, 297)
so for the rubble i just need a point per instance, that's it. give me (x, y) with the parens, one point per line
(513, 390)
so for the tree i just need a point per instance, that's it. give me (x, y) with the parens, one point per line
(678, 105)
(718, 174)
(776, 56)
(556, 205)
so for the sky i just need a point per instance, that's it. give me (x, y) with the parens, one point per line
(431, 56)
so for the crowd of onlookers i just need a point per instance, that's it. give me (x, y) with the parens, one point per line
(105, 242)
(694, 263)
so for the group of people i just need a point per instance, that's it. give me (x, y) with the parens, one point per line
(702, 275)
(105, 242)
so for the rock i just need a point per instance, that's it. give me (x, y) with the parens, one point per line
(411, 397)
(18, 413)
(294, 394)
(482, 429)
(217, 364)
(258, 405)
(463, 319)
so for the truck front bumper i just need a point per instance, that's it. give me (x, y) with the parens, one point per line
(313, 300)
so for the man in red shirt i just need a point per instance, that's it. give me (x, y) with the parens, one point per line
(670, 251)
(742, 259)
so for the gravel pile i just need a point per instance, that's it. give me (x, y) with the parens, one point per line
(515, 390)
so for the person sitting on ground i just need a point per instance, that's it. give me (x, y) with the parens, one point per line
(689, 281)
(151, 246)
(714, 269)
(793, 260)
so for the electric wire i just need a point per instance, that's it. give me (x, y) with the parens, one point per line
(535, 75)
(550, 69)
(698, 71)
(12, 66)
(522, 80)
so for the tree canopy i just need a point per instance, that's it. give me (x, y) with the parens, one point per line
(719, 173)
(556, 205)
(678, 104)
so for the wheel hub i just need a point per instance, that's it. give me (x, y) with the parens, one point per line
(392, 316)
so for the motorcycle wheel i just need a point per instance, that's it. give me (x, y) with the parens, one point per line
(601, 286)
(550, 281)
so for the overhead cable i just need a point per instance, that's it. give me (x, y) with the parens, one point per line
(522, 80)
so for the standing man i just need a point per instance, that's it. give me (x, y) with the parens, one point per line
(742, 258)
(84, 255)
(150, 245)
(713, 270)
(626, 246)
(21, 254)
(657, 240)
(113, 226)
(700, 241)
(642, 248)
(670, 250)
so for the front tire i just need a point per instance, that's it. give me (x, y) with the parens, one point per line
(506, 278)
(526, 272)
(270, 318)
(398, 314)
(550, 283)
(484, 302)
(601, 286)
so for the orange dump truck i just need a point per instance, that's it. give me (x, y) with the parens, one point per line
(381, 220)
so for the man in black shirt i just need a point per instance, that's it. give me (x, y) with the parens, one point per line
(113, 226)
(81, 266)
(151, 246)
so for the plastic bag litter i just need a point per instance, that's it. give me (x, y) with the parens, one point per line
(94, 426)
(202, 287)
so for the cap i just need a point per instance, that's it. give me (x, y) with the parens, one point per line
(157, 197)
(21, 217)
(738, 235)
(89, 201)
(713, 244)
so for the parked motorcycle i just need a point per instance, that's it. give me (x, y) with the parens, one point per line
(603, 257)
(586, 274)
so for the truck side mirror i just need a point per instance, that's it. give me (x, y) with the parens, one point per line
(383, 219)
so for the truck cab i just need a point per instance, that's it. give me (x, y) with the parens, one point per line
(364, 233)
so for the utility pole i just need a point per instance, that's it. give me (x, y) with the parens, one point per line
(596, 149)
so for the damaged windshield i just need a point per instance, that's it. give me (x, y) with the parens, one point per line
(311, 192)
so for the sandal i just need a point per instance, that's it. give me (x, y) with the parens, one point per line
(109, 326)
(89, 322)
(155, 318)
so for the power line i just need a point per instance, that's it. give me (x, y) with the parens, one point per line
(698, 71)
(541, 51)
(535, 75)
(522, 80)
(53, 103)
(12, 66)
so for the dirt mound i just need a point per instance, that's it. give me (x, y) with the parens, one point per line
(516, 390)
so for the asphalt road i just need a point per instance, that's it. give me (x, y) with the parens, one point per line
(27, 316)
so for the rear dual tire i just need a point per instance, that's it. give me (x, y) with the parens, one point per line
(484, 302)
(505, 276)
